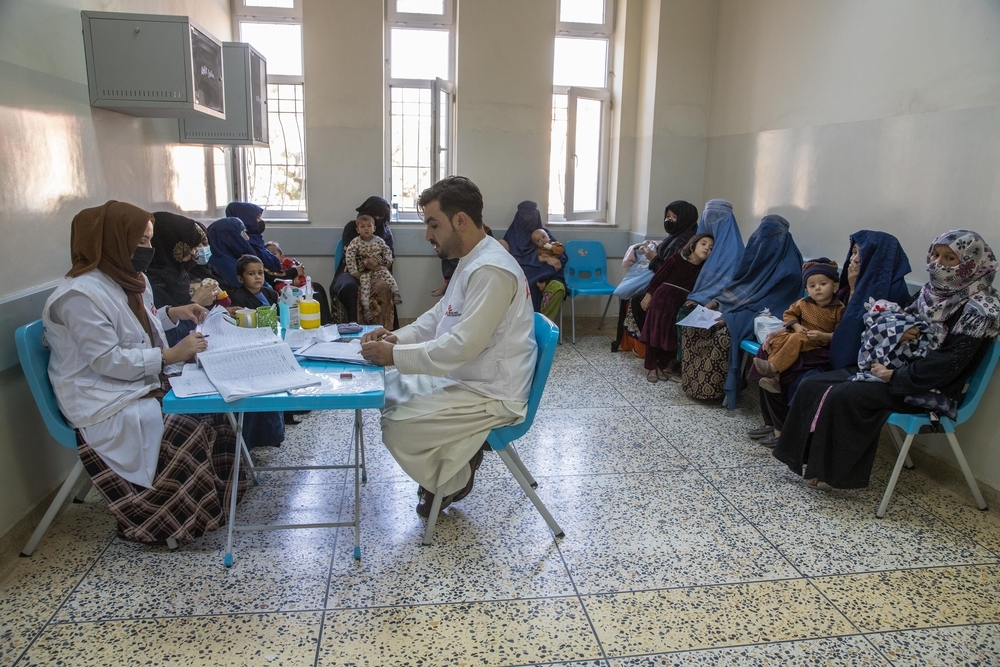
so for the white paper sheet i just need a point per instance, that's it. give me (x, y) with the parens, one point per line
(299, 338)
(701, 318)
(192, 382)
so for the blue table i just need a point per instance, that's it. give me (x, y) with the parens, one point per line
(315, 400)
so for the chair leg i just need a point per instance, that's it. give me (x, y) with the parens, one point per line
(56, 505)
(896, 440)
(561, 329)
(520, 464)
(432, 519)
(605, 313)
(530, 492)
(84, 490)
(964, 465)
(572, 310)
(895, 475)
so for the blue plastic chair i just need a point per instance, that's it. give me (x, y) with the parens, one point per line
(34, 358)
(586, 274)
(500, 439)
(910, 425)
(338, 254)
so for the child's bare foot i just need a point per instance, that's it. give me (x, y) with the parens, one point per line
(397, 298)
(367, 312)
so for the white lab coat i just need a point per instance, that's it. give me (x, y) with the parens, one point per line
(102, 365)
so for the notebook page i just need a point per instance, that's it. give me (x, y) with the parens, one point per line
(255, 371)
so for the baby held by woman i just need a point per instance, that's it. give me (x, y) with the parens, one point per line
(809, 323)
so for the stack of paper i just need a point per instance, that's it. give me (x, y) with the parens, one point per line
(347, 351)
(192, 382)
(249, 362)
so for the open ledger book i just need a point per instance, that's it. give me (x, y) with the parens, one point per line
(249, 362)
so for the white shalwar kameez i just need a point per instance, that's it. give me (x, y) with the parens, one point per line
(462, 369)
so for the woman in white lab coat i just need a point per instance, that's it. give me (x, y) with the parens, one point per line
(162, 476)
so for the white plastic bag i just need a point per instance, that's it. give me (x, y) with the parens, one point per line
(766, 323)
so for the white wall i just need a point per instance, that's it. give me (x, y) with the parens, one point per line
(57, 156)
(852, 114)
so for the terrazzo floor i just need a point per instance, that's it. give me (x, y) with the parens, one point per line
(686, 544)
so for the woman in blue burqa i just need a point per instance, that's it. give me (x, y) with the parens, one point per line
(876, 267)
(769, 276)
(227, 238)
(718, 220)
(253, 219)
(518, 238)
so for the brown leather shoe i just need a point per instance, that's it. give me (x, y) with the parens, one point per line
(427, 499)
(474, 463)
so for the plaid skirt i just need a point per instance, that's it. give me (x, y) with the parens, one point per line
(190, 490)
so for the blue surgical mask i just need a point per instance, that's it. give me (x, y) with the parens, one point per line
(204, 254)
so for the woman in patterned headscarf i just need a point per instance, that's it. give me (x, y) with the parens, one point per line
(833, 425)
(163, 477)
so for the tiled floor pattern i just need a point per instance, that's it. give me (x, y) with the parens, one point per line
(686, 544)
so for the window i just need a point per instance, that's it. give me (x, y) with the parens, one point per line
(420, 99)
(274, 177)
(581, 111)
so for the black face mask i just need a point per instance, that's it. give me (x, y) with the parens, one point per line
(142, 258)
(261, 224)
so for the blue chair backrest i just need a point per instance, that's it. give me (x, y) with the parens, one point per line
(34, 358)
(977, 383)
(546, 337)
(338, 254)
(587, 261)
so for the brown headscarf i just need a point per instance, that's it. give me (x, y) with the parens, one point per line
(105, 237)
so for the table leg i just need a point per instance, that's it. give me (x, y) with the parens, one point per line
(240, 448)
(357, 487)
(247, 461)
(361, 435)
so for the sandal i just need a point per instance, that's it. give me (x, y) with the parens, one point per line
(662, 376)
(652, 376)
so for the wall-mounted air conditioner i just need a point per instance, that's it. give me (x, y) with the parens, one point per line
(246, 102)
(153, 65)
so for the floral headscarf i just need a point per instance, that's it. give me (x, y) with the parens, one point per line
(966, 288)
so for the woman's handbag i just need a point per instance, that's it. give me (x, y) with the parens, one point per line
(704, 361)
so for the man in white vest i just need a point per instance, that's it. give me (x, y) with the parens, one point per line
(464, 367)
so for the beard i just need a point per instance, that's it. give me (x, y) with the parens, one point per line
(450, 247)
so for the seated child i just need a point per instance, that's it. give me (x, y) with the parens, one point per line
(809, 323)
(286, 264)
(368, 246)
(252, 293)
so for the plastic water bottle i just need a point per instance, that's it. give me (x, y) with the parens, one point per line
(288, 307)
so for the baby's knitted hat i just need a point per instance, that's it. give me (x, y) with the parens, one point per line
(823, 266)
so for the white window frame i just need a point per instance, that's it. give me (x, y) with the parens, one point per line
(440, 22)
(604, 96)
(603, 31)
(293, 15)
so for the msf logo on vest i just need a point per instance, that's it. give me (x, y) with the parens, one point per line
(451, 313)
